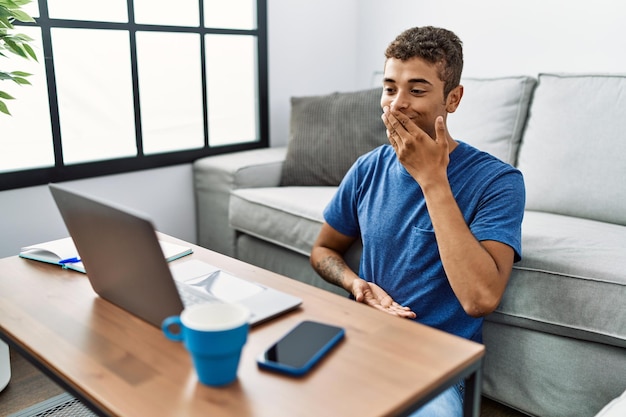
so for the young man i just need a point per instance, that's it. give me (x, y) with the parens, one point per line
(440, 221)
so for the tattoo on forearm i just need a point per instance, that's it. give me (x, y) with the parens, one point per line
(331, 268)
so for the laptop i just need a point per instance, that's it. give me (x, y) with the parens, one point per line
(126, 266)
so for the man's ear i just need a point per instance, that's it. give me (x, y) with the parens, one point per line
(454, 98)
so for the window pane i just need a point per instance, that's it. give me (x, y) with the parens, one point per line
(161, 12)
(232, 14)
(170, 91)
(232, 89)
(32, 8)
(95, 10)
(26, 136)
(95, 94)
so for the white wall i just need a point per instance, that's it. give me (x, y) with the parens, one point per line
(513, 37)
(312, 50)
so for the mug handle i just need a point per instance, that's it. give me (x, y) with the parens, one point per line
(171, 321)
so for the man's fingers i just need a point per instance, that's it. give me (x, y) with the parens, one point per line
(397, 122)
(440, 129)
(358, 295)
(402, 126)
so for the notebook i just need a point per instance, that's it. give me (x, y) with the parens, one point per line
(126, 266)
(63, 252)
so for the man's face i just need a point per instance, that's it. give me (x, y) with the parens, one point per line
(413, 87)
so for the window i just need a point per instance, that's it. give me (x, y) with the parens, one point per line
(134, 84)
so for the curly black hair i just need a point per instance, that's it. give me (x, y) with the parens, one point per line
(435, 45)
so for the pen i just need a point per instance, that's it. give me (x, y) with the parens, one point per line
(69, 260)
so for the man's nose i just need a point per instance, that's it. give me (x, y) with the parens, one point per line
(399, 102)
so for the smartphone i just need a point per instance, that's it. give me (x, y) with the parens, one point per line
(301, 348)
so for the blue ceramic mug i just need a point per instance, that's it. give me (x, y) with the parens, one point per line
(214, 334)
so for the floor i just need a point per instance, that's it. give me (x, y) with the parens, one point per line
(28, 386)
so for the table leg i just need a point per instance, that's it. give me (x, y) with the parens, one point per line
(471, 402)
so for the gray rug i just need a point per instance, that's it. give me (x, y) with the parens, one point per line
(63, 405)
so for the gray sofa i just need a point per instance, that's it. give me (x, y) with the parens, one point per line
(556, 346)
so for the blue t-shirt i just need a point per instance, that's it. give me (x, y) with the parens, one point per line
(379, 201)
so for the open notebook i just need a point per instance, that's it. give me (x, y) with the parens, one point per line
(63, 252)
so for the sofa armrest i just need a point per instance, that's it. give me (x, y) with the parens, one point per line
(216, 176)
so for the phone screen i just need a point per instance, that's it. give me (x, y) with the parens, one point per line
(297, 351)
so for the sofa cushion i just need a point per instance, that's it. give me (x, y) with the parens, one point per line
(492, 114)
(328, 133)
(571, 279)
(290, 217)
(616, 408)
(572, 154)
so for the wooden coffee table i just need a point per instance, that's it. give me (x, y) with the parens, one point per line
(119, 365)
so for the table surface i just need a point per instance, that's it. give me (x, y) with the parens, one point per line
(120, 365)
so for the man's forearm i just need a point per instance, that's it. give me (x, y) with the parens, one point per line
(331, 267)
(471, 269)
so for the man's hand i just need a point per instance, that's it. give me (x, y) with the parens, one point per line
(424, 157)
(374, 296)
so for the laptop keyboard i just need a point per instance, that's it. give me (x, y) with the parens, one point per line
(191, 297)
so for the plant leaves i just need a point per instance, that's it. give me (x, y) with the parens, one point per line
(14, 43)
(22, 17)
(21, 81)
(23, 38)
(21, 73)
(21, 3)
(30, 51)
(5, 21)
(15, 48)
(3, 108)
(6, 96)
(10, 4)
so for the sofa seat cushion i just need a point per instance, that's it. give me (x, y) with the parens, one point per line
(616, 408)
(290, 217)
(571, 280)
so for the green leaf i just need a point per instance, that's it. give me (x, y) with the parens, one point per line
(23, 38)
(4, 12)
(4, 20)
(30, 51)
(21, 73)
(22, 17)
(3, 108)
(21, 3)
(15, 48)
(6, 96)
(9, 4)
(21, 81)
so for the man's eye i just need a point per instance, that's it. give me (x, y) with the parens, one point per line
(388, 90)
(417, 91)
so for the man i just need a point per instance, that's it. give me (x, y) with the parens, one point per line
(440, 221)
